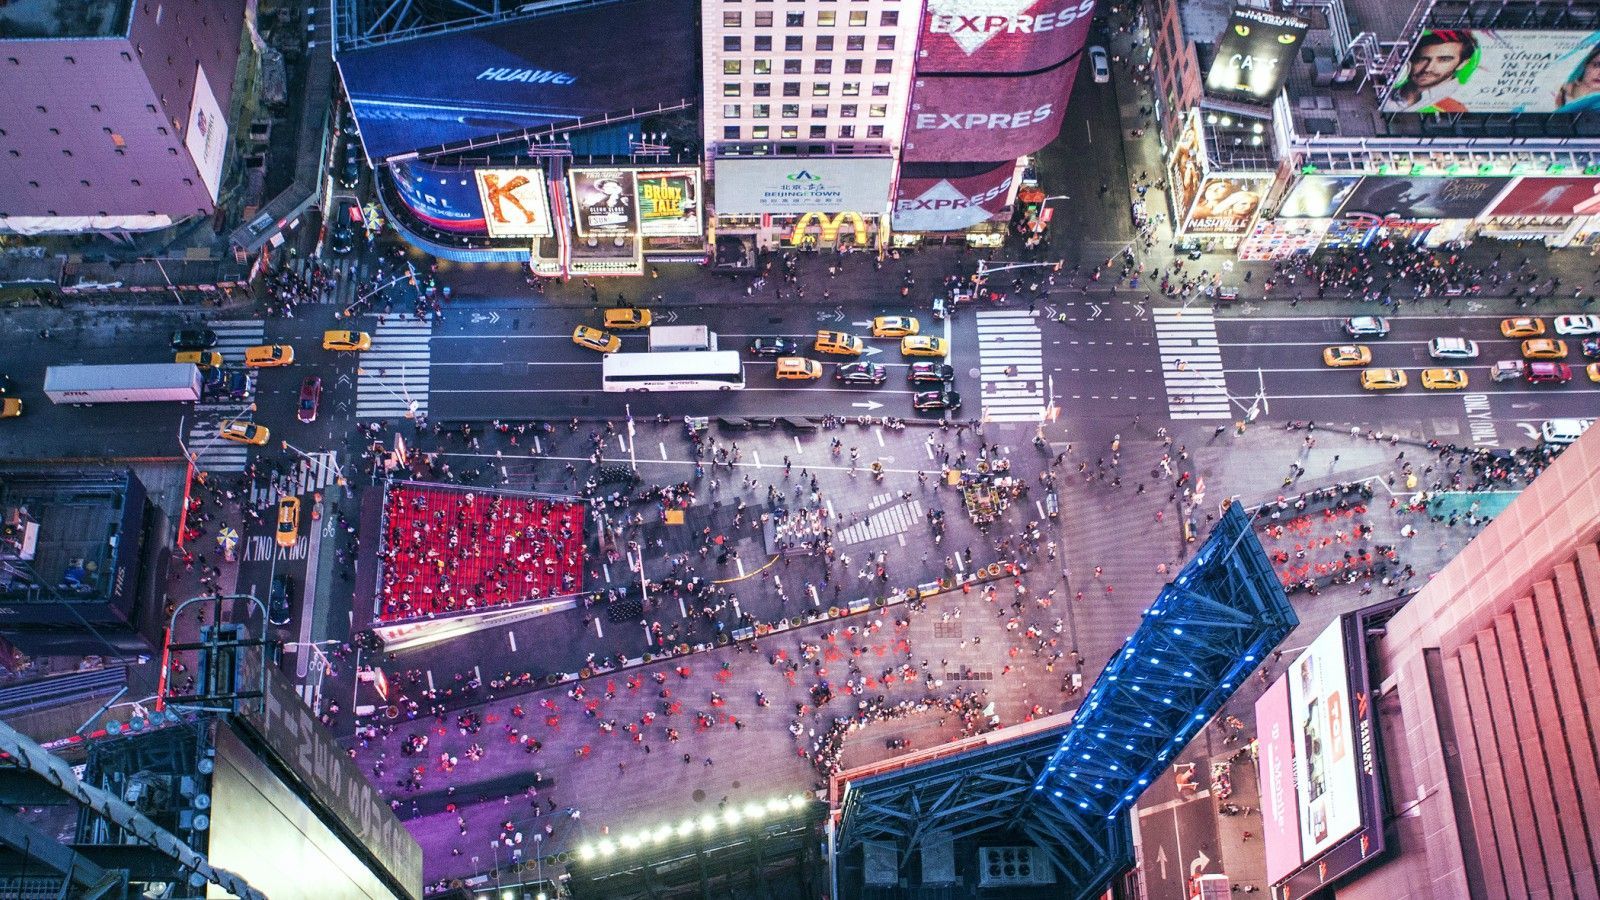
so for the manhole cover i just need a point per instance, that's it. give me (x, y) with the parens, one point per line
(699, 796)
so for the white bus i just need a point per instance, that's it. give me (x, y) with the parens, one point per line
(690, 370)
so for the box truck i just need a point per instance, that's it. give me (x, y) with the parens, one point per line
(137, 383)
(674, 338)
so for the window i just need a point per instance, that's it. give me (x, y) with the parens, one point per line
(731, 89)
(791, 66)
(732, 19)
(820, 88)
(858, 18)
(819, 110)
(731, 67)
(761, 66)
(824, 43)
(794, 19)
(730, 110)
(855, 42)
(730, 132)
(793, 43)
(874, 131)
(818, 132)
(730, 44)
(760, 110)
(848, 110)
(888, 19)
(885, 42)
(791, 110)
(761, 89)
(882, 66)
(758, 133)
(790, 132)
(878, 110)
(851, 89)
(880, 89)
(826, 19)
(764, 19)
(763, 43)
(852, 66)
(847, 131)
(822, 67)
(791, 88)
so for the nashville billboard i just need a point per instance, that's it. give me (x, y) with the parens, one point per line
(1001, 36)
(952, 197)
(958, 118)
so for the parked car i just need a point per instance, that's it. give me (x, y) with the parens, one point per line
(936, 400)
(310, 398)
(931, 373)
(1366, 326)
(1099, 64)
(1561, 432)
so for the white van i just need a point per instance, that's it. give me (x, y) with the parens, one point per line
(1561, 432)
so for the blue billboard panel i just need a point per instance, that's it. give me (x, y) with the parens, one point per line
(445, 197)
(441, 89)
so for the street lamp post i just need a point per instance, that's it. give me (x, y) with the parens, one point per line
(411, 405)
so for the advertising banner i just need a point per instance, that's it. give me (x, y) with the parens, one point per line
(207, 136)
(1254, 54)
(1326, 791)
(747, 186)
(1551, 197)
(445, 198)
(669, 202)
(441, 89)
(603, 202)
(1280, 819)
(958, 118)
(1422, 197)
(1317, 196)
(1188, 167)
(515, 202)
(950, 198)
(1227, 204)
(1001, 36)
(1486, 71)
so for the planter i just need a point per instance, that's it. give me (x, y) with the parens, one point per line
(722, 640)
(552, 678)
(993, 570)
(585, 672)
(912, 593)
(762, 629)
(880, 601)
(682, 648)
(646, 658)
(834, 612)
(796, 622)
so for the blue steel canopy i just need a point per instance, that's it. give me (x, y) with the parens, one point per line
(1203, 635)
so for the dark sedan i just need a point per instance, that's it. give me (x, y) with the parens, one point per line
(931, 373)
(861, 373)
(936, 400)
(773, 347)
(194, 339)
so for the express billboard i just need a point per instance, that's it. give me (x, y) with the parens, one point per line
(1280, 813)
(446, 198)
(1486, 71)
(1188, 166)
(1227, 204)
(1317, 196)
(960, 118)
(1001, 36)
(515, 202)
(1422, 197)
(669, 202)
(950, 197)
(747, 186)
(1551, 197)
(1254, 54)
(1327, 796)
(603, 202)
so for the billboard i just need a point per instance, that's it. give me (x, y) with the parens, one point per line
(1280, 813)
(207, 136)
(1188, 166)
(1317, 196)
(515, 204)
(1227, 204)
(755, 185)
(950, 197)
(446, 198)
(1487, 71)
(532, 72)
(1001, 36)
(669, 202)
(1422, 197)
(603, 202)
(1327, 794)
(1551, 197)
(956, 118)
(1254, 54)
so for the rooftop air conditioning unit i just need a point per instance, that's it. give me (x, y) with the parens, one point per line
(1000, 866)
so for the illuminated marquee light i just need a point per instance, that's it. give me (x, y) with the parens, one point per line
(707, 823)
(830, 226)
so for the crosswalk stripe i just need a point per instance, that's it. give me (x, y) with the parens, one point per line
(1188, 338)
(1011, 339)
(212, 453)
(395, 372)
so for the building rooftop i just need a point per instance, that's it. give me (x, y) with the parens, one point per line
(36, 19)
(60, 535)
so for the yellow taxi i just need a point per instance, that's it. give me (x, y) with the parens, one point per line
(1444, 379)
(1522, 327)
(895, 326)
(595, 339)
(268, 356)
(798, 368)
(1592, 368)
(205, 359)
(288, 533)
(1544, 348)
(838, 343)
(1346, 355)
(923, 345)
(1383, 379)
(346, 340)
(11, 407)
(245, 433)
(626, 317)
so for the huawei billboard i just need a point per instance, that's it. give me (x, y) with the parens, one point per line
(1001, 36)
(956, 118)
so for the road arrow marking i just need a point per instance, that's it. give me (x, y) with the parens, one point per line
(1161, 852)
(1199, 863)
(866, 324)
(1138, 310)
(1094, 311)
(872, 351)
(1529, 430)
(869, 405)
(344, 380)
(672, 315)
